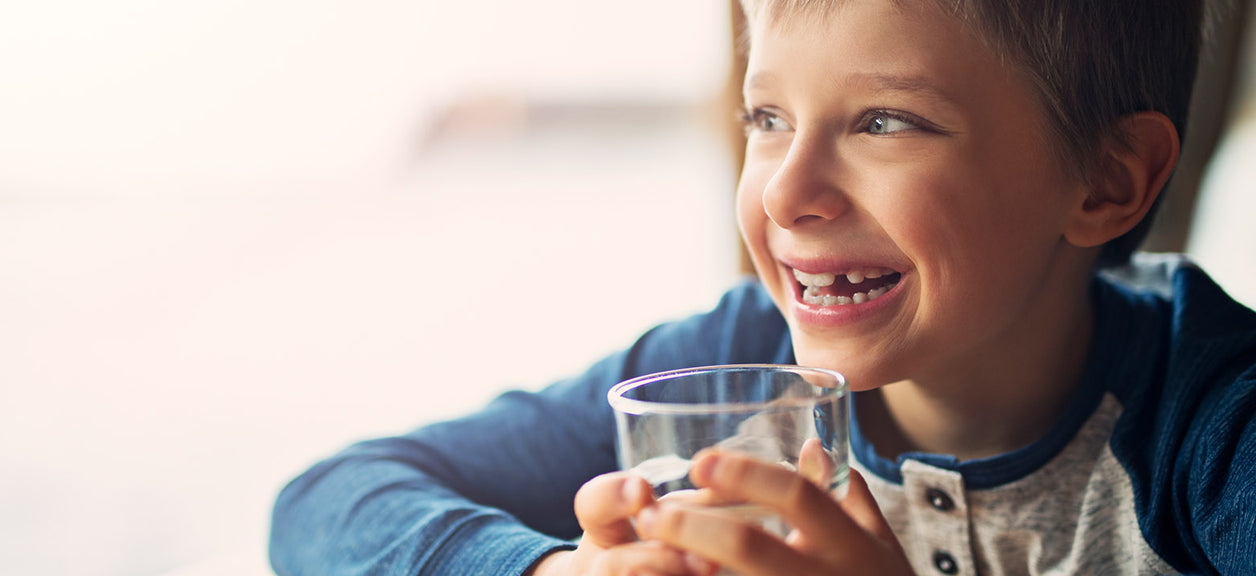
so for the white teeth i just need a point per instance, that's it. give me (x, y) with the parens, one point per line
(814, 282)
(854, 276)
(812, 296)
(827, 300)
(815, 279)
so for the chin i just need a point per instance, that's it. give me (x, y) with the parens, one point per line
(862, 371)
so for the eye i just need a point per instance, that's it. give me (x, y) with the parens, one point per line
(882, 122)
(760, 120)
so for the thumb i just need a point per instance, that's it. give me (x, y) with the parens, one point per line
(605, 505)
(862, 508)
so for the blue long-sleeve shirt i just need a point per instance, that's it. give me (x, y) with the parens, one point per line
(1151, 470)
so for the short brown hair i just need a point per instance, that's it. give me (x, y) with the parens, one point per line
(1091, 62)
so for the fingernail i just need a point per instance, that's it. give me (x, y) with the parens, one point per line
(645, 519)
(704, 467)
(632, 491)
(698, 564)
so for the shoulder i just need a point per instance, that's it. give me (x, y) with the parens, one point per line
(1188, 433)
(742, 328)
(1171, 307)
(1195, 346)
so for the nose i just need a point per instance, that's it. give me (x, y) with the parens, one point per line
(804, 188)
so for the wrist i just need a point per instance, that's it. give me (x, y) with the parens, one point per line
(551, 564)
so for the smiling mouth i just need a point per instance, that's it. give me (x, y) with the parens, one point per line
(853, 287)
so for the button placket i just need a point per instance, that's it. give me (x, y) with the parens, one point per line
(945, 563)
(939, 518)
(940, 500)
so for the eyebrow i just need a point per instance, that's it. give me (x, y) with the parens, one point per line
(760, 80)
(897, 83)
(878, 82)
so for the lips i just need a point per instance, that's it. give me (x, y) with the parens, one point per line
(845, 288)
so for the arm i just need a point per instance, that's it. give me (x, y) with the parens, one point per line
(1219, 475)
(487, 493)
(492, 492)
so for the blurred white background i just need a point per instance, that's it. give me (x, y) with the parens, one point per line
(236, 236)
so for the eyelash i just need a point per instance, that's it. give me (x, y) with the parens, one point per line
(751, 118)
(915, 123)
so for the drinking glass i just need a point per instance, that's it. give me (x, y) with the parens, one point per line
(793, 416)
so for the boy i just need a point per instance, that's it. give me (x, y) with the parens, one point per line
(929, 187)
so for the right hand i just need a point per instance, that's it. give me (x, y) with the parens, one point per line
(604, 507)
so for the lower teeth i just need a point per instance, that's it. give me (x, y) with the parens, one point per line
(811, 296)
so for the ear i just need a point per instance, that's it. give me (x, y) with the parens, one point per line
(1128, 179)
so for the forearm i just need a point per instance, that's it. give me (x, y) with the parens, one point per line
(485, 494)
(363, 515)
(492, 492)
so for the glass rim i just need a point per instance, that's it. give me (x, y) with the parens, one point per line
(619, 402)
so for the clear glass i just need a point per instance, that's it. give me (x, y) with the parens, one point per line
(793, 416)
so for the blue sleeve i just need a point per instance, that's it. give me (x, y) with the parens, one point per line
(1218, 472)
(491, 492)
(1188, 436)
(1215, 471)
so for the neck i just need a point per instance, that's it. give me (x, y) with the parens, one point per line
(1016, 391)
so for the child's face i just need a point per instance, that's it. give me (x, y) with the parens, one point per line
(891, 142)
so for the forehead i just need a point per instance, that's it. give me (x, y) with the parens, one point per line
(882, 44)
(782, 11)
(911, 57)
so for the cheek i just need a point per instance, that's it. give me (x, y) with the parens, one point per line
(920, 209)
(751, 218)
(754, 225)
(980, 243)
(943, 220)
(966, 213)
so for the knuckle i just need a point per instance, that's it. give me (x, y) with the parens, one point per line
(669, 522)
(733, 467)
(800, 494)
(744, 541)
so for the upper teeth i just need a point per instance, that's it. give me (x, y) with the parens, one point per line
(815, 279)
(827, 279)
(813, 282)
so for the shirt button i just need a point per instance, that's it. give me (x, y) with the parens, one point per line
(945, 563)
(939, 500)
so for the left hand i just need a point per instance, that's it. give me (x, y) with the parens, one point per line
(829, 537)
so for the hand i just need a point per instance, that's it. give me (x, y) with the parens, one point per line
(605, 506)
(828, 538)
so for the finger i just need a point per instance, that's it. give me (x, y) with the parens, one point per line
(652, 557)
(700, 497)
(723, 538)
(605, 504)
(862, 508)
(803, 505)
(814, 463)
